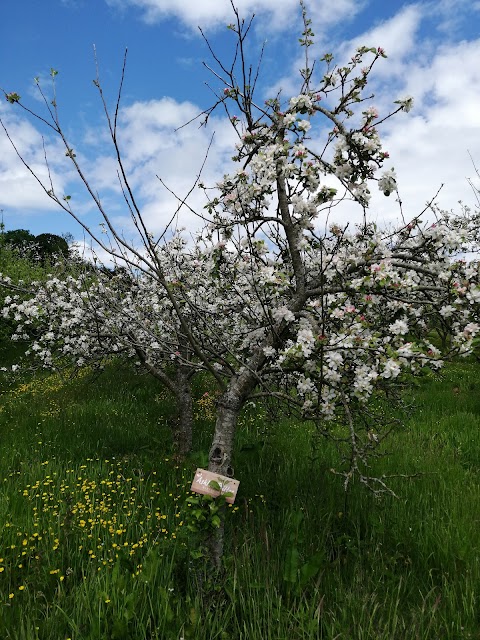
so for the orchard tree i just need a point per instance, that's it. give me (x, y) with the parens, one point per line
(272, 300)
(99, 315)
(20, 266)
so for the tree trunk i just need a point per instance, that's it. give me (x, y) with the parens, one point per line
(221, 451)
(184, 428)
(179, 385)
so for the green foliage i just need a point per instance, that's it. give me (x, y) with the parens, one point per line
(44, 248)
(17, 265)
(203, 516)
(17, 238)
(12, 97)
(50, 245)
(297, 573)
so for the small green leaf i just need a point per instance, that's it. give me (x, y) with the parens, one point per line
(12, 97)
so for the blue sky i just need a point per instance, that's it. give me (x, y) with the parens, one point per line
(433, 49)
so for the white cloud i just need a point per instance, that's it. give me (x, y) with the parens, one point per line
(212, 13)
(18, 188)
(431, 148)
(397, 35)
(451, 15)
(152, 144)
(150, 147)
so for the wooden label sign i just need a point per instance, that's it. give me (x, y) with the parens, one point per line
(202, 480)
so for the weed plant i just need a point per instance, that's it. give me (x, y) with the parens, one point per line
(93, 519)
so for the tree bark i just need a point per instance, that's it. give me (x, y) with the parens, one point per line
(184, 428)
(179, 385)
(221, 451)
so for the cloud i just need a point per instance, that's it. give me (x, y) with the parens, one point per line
(213, 13)
(398, 36)
(153, 142)
(18, 188)
(154, 148)
(431, 148)
(452, 15)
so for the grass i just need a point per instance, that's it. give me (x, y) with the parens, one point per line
(94, 543)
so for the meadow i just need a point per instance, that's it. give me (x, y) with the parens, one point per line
(94, 518)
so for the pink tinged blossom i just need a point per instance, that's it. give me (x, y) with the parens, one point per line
(471, 329)
(371, 112)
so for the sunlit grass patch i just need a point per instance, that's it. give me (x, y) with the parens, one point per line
(95, 512)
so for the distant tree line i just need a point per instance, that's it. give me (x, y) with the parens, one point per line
(42, 248)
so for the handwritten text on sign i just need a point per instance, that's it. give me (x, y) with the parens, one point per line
(201, 484)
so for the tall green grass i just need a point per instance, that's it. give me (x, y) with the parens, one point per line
(93, 519)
